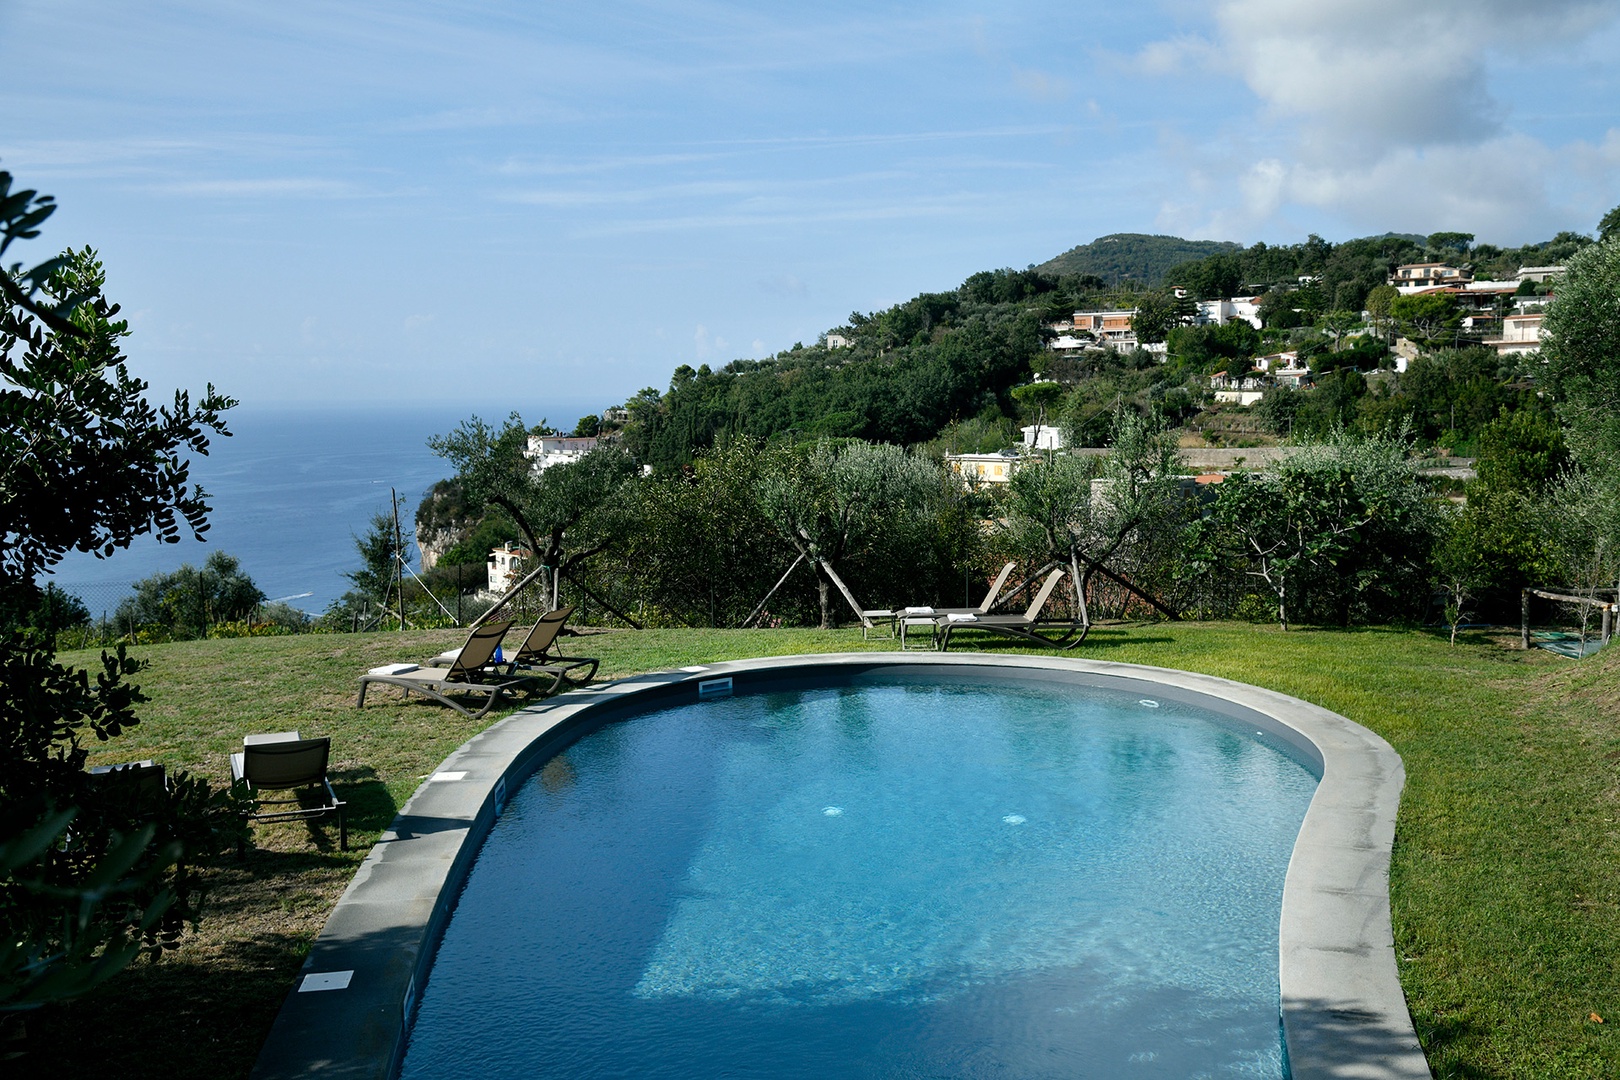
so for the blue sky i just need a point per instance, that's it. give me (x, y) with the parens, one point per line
(551, 206)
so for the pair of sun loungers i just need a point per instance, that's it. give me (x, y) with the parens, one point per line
(1030, 626)
(472, 675)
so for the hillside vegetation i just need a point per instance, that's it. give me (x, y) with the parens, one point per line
(1135, 259)
(940, 368)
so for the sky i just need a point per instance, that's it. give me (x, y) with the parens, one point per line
(548, 207)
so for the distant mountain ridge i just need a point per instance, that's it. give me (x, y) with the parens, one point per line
(1136, 258)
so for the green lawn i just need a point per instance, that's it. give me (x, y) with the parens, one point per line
(1503, 882)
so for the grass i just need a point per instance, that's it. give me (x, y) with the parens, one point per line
(1503, 882)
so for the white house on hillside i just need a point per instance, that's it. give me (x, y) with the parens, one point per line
(1521, 333)
(1429, 275)
(997, 468)
(506, 566)
(1113, 327)
(1042, 437)
(548, 450)
(1221, 312)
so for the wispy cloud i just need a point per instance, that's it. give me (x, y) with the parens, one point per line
(260, 188)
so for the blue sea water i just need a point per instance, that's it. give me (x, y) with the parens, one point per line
(882, 881)
(290, 490)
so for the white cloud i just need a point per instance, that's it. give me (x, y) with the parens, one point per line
(1381, 113)
(708, 346)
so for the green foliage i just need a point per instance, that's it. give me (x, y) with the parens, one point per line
(89, 874)
(1609, 227)
(1345, 274)
(1453, 243)
(1279, 408)
(1279, 309)
(1133, 257)
(1520, 451)
(48, 610)
(1430, 319)
(1038, 399)
(122, 877)
(188, 602)
(1008, 286)
(1338, 533)
(1455, 392)
(1203, 350)
(983, 434)
(841, 502)
(1504, 538)
(1379, 300)
(1581, 349)
(700, 551)
(378, 549)
(1123, 514)
(492, 531)
(1157, 313)
(567, 513)
(909, 371)
(73, 414)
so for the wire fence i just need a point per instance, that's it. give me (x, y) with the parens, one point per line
(100, 598)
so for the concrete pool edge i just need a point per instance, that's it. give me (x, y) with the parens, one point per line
(1343, 1011)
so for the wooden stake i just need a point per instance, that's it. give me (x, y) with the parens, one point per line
(780, 581)
(849, 596)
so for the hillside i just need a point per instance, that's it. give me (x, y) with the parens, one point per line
(1132, 258)
(939, 370)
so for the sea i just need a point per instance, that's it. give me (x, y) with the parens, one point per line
(291, 489)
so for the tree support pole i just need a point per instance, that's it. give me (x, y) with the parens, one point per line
(576, 582)
(848, 596)
(779, 583)
(1099, 568)
(1079, 589)
(513, 591)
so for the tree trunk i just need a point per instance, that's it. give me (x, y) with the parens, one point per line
(824, 594)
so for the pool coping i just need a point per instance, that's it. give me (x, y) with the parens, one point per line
(1343, 1011)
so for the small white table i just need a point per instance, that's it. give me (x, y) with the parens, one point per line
(911, 627)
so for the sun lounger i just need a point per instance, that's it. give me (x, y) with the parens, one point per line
(284, 762)
(984, 608)
(538, 653)
(472, 673)
(1027, 627)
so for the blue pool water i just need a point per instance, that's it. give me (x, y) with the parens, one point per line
(892, 880)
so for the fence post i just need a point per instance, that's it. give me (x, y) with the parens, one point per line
(1524, 619)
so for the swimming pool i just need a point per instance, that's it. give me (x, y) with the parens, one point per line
(1343, 1012)
(949, 876)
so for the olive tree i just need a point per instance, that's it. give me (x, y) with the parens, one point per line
(834, 499)
(567, 512)
(1119, 518)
